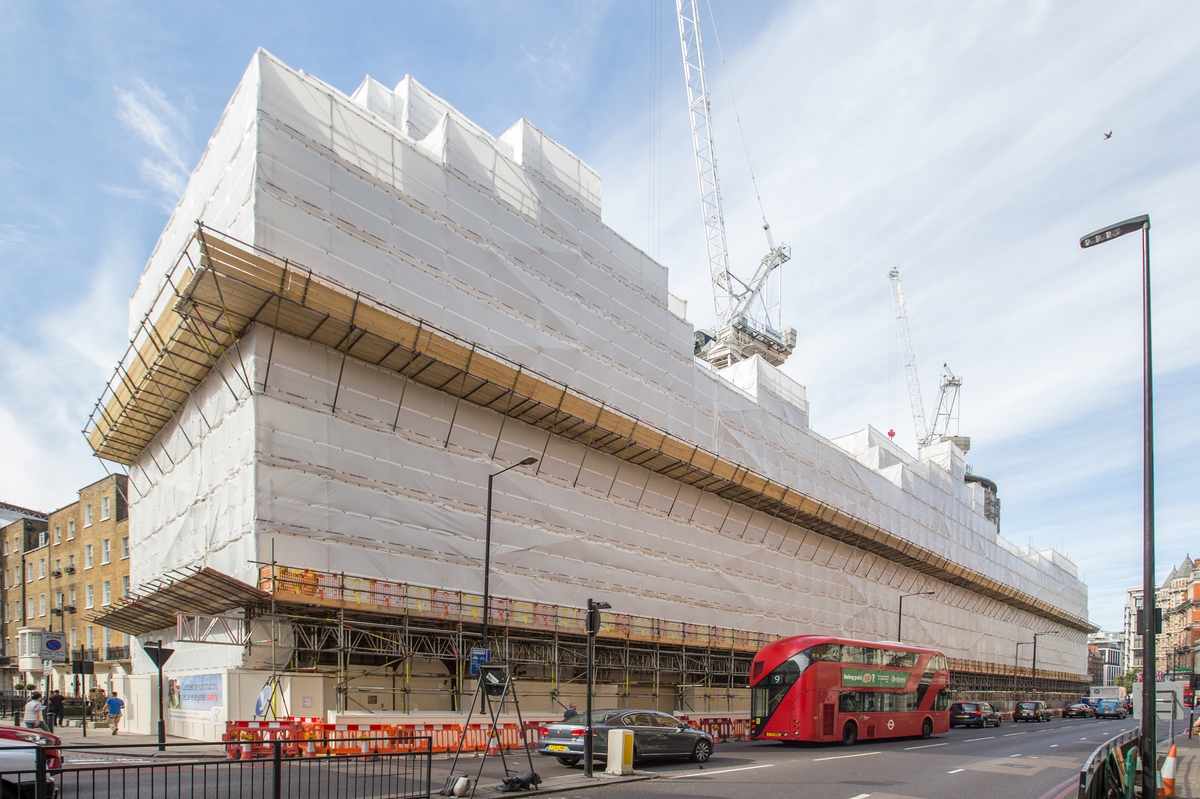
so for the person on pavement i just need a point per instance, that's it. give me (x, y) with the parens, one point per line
(115, 706)
(55, 709)
(33, 710)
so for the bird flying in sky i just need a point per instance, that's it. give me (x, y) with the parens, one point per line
(1108, 135)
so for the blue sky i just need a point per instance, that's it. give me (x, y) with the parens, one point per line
(964, 146)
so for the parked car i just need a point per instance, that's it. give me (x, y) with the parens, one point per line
(973, 714)
(1110, 709)
(18, 770)
(1080, 710)
(1032, 710)
(38, 738)
(655, 735)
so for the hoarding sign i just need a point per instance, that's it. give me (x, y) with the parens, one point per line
(195, 697)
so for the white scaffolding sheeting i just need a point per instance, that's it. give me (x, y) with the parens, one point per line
(395, 195)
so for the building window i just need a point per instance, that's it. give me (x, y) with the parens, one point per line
(4, 547)
(29, 610)
(71, 638)
(71, 530)
(43, 538)
(91, 636)
(57, 534)
(87, 556)
(70, 561)
(58, 565)
(41, 568)
(29, 572)
(87, 515)
(105, 508)
(124, 547)
(71, 596)
(58, 600)
(107, 640)
(41, 604)
(89, 596)
(5, 578)
(105, 552)
(125, 587)
(106, 592)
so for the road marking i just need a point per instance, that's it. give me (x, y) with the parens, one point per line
(861, 796)
(956, 771)
(1083, 739)
(718, 771)
(1014, 755)
(1011, 734)
(1053, 745)
(843, 757)
(925, 746)
(988, 738)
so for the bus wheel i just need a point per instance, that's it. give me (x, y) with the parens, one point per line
(850, 734)
(926, 728)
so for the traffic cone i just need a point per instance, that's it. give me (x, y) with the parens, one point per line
(1168, 773)
(493, 749)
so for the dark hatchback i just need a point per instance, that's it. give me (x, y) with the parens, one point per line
(1032, 711)
(1082, 710)
(655, 735)
(973, 714)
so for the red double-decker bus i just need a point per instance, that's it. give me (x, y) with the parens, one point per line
(821, 688)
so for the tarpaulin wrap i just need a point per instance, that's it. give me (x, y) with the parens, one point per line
(398, 196)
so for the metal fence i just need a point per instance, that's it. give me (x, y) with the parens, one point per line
(189, 772)
(1107, 771)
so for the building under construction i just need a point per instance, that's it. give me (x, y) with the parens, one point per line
(364, 306)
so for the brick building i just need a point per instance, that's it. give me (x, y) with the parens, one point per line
(55, 571)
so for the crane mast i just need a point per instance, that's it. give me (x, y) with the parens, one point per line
(747, 318)
(910, 357)
(944, 415)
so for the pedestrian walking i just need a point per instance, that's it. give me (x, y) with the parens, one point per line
(33, 710)
(55, 708)
(115, 706)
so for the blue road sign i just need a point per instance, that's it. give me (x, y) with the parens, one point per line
(478, 657)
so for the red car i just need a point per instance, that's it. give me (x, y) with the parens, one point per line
(47, 740)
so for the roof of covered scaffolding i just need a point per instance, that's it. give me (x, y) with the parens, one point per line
(204, 590)
(221, 286)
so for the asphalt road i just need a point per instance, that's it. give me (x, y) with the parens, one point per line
(1013, 761)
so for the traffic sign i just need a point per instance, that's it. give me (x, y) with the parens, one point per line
(479, 656)
(158, 655)
(54, 647)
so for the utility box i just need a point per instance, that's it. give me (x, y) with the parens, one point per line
(620, 752)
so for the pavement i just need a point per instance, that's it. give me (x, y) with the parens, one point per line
(1187, 766)
(100, 741)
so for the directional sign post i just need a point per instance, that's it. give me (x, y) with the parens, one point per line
(479, 656)
(160, 654)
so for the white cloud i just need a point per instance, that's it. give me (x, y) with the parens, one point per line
(966, 147)
(146, 111)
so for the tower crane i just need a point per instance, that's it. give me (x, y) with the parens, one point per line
(946, 412)
(747, 316)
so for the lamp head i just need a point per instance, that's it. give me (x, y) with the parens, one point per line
(528, 462)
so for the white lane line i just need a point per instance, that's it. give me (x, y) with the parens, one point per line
(957, 770)
(1014, 755)
(861, 796)
(1083, 739)
(843, 757)
(988, 738)
(925, 746)
(718, 771)
(1053, 745)
(1011, 734)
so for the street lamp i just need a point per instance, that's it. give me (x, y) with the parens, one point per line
(1035, 637)
(1149, 754)
(487, 546)
(1016, 660)
(593, 627)
(900, 616)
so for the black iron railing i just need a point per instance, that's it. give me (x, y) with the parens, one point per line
(116, 653)
(280, 772)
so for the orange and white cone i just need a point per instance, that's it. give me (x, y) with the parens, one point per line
(1168, 773)
(493, 749)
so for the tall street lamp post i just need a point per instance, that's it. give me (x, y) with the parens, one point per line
(1149, 753)
(487, 547)
(900, 615)
(1016, 659)
(1035, 637)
